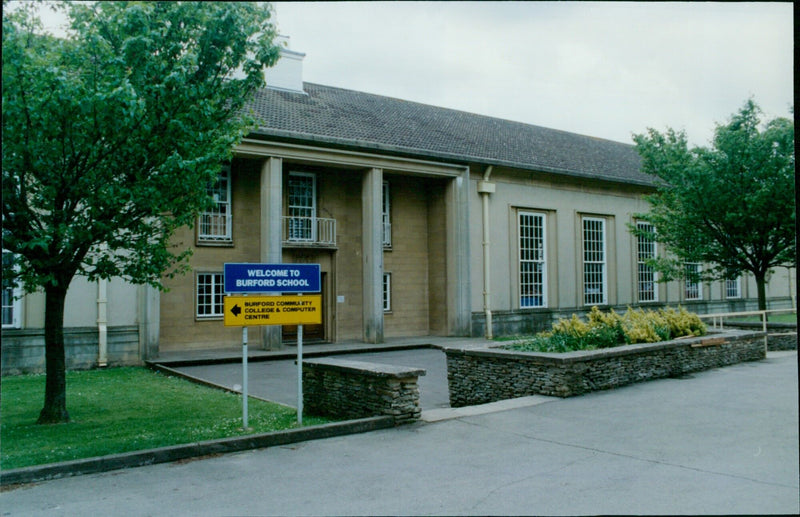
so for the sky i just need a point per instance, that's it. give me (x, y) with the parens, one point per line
(603, 69)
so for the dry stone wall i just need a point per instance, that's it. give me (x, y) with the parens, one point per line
(781, 336)
(353, 389)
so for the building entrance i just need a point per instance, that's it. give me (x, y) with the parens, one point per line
(310, 332)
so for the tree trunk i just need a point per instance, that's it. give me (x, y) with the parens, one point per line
(761, 287)
(55, 390)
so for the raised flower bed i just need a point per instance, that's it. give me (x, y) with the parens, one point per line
(478, 376)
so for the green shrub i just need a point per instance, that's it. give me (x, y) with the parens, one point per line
(607, 327)
(603, 337)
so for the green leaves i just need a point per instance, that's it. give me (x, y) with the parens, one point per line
(110, 134)
(732, 205)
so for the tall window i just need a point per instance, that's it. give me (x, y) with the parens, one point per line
(12, 304)
(215, 224)
(210, 293)
(594, 261)
(733, 288)
(302, 206)
(646, 275)
(387, 292)
(532, 261)
(387, 216)
(693, 288)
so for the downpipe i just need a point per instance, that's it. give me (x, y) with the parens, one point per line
(102, 323)
(485, 188)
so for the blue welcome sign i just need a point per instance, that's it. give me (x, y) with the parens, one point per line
(268, 278)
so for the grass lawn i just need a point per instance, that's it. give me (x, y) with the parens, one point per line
(125, 409)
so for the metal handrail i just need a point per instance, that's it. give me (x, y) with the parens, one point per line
(717, 318)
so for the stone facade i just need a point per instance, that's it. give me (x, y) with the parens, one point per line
(23, 350)
(416, 259)
(353, 389)
(480, 376)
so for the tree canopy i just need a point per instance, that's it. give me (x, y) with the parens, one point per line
(111, 135)
(730, 206)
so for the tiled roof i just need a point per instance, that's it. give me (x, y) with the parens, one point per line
(335, 116)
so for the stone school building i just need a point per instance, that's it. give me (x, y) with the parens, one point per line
(424, 221)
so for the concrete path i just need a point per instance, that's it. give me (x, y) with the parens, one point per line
(717, 442)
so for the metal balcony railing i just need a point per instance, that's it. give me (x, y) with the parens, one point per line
(214, 227)
(309, 231)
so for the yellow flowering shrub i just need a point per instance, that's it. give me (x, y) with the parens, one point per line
(608, 319)
(644, 327)
(683, 322)
(574, 327)
(608, 329)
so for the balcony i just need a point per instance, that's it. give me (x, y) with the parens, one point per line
(214, 227)
(303, 232)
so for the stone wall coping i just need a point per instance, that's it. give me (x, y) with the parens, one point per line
(710, 339)
(365, 368)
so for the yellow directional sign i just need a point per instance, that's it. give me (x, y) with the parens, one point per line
(246, 311)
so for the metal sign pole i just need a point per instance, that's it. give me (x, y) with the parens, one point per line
(299, 375)
(244, 378)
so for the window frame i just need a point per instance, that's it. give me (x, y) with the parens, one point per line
(692, 291)
(387, 292)
(737, 282)
(223, 209)
(216, 294)
(14, 300)
(300, 232)
(642, 268)
(602, 250)
(534, 277)
(386, 215)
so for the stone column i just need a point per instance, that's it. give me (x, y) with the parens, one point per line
(372, 255)
(271, 232)
(459, 313)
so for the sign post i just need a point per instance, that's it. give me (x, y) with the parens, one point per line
(300, 375)
(246, 278)
(244, 378)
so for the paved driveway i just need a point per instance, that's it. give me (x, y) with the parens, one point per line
(277, 380)
(723, 441)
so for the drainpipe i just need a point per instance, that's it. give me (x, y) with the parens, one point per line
(102, 323)
(485, 189)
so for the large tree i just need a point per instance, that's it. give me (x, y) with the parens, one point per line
(730, 206)
(110, 138)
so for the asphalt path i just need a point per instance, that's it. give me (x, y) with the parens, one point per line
(277, 380)
(724, 441)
